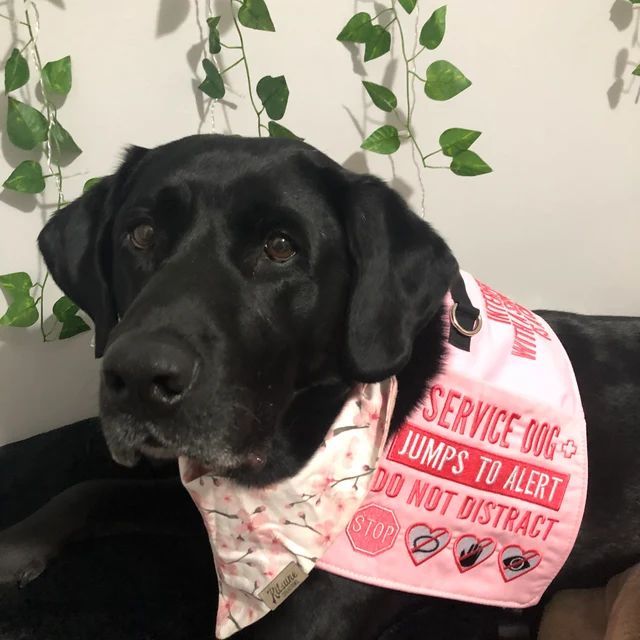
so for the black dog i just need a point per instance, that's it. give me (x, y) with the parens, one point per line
(239, 286)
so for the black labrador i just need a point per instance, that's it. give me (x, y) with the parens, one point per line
(239, 287)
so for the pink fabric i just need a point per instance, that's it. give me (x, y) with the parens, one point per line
(265, 541)
(480, 495)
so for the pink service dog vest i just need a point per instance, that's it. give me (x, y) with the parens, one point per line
(480, 495)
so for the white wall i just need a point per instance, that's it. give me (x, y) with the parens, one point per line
(555, 225)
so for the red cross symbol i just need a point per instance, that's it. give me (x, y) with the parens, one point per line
(569, 448)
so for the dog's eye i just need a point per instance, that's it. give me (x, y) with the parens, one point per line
(142, 236)
(279, 247)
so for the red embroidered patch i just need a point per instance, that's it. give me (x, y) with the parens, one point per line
(424, 542)
(373, 529)
(428, 452)
(526, 325)
(469, 551)
(515, 562)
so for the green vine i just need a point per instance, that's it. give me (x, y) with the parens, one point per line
(442, 81)
(272, 92)
(28, 128)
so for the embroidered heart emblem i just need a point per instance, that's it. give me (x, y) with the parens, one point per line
(469, 551)
(423, 542)
(515, 562)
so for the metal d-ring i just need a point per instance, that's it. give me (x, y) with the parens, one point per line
(477, 325)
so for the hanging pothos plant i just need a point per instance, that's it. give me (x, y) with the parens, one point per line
(30, 128)
(442, 81)
(33, 126)
(272, 91)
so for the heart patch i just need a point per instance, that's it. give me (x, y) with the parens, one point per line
(423, 542)
(470, 551)
(516, 562)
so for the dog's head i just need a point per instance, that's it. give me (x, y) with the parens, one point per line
(238, 288)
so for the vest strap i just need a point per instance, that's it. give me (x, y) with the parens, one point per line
(464, 318)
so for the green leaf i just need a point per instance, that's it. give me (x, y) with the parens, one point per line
(16, 71)
(26, 178)
(433, 29)
(22, 312)
(16, 284)
(274, 95)
(357, 29)
(254, 14)
(385, 140)
(72, 327)
(212, 85)
(408, 5)
(444, 81)
(64, 308)
(62, 144)
(90, 183)
(56, 76)
(214, 35)
(636, 71)
(453, 141)
(468, 163)
(278, 131)
(377, 44)
(382, 97)
(26, 127)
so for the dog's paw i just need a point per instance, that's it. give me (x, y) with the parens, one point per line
(20, 564)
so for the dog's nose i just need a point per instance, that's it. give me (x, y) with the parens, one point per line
(148, 372)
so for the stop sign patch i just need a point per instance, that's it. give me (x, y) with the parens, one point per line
(373, 529)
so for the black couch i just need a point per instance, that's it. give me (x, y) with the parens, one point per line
(120, 588)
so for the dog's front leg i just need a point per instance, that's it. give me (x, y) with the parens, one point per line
(91, 509)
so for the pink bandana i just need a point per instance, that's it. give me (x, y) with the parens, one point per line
(266, 541)
(480, 495)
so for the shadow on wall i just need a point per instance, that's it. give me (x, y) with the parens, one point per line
(171, 14)
(370, 117)
(200, 50)
(625, 16)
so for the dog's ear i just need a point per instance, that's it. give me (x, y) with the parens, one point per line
(76, 247)
(402, 271)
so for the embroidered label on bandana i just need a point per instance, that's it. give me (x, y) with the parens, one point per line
(266, 541)
(480, 495)
(283, 585)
